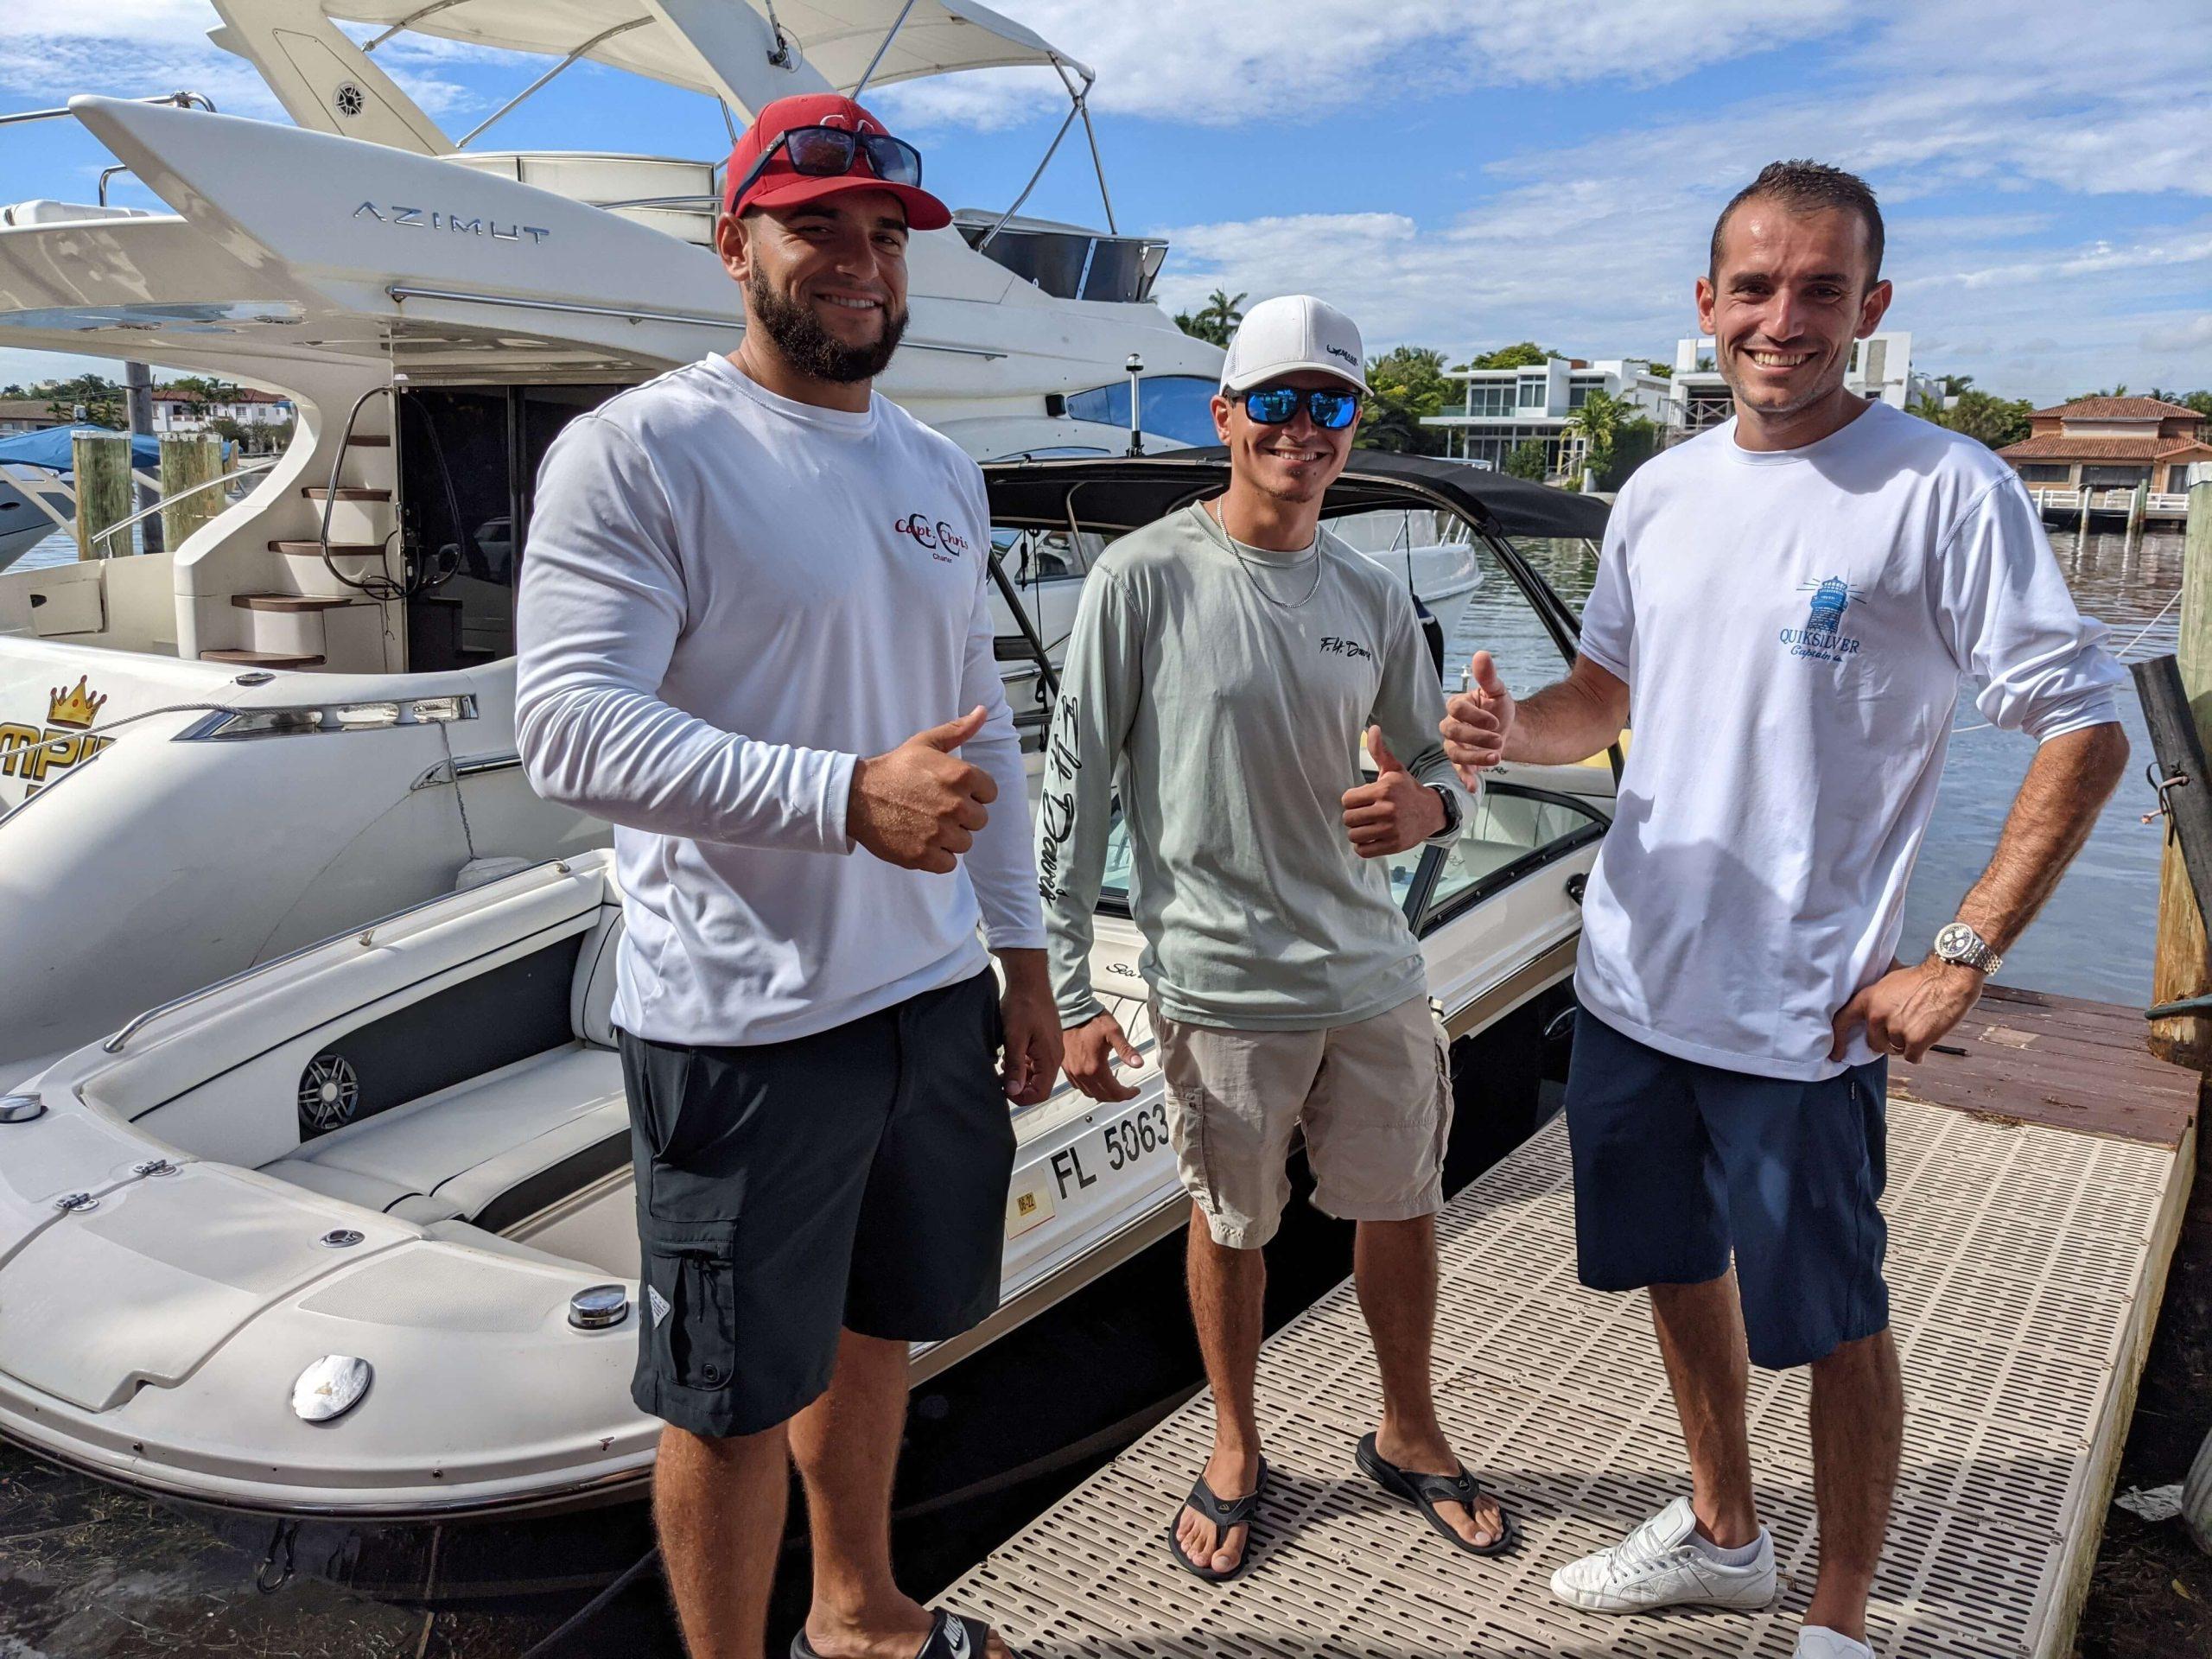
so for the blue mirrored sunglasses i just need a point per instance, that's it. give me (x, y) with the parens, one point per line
(1332, 410)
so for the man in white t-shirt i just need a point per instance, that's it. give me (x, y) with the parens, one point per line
(1790, 603)
(754, 604)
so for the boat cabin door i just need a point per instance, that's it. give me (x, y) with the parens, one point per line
(468, 459)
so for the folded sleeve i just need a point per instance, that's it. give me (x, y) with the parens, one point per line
(601, 607)
(2004, 610)
(1091, 723)
(1608, 636)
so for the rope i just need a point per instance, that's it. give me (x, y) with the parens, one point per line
(591, 1608)
(459, 797)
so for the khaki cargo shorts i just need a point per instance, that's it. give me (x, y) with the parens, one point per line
(1373, 1098)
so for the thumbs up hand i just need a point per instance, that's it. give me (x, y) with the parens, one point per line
(1478, 722)
(919, 805)
(1397, 811)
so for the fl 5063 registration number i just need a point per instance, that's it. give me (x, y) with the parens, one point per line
(1135, 1138)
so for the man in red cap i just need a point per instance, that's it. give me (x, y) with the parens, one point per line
(755, 605)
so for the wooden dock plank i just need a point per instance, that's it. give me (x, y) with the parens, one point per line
(2026, 1262)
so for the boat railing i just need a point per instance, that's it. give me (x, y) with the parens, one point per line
(101, 546)
(182, 100)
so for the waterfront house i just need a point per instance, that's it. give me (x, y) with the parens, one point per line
(2110, 443)
(1502, 409)
(24, 414)
(176, 409)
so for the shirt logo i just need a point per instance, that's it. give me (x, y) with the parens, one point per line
(1823, 638)
(946, 544)
(1336, 645)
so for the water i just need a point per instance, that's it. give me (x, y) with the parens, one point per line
(2095, 936)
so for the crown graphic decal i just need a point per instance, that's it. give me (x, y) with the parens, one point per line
(74, 707)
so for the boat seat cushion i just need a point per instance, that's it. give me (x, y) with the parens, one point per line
(522, 1135)
(591, 1005)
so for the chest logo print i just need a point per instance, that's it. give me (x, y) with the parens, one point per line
(944, 543)
(1822, 637)
(1333, 645)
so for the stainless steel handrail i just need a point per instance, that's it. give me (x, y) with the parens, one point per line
(366, 933)
(182, 100)
(253, 469)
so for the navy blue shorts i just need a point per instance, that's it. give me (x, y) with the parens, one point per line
(1678, 1166)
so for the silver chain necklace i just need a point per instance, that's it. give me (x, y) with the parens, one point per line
(1258, 588)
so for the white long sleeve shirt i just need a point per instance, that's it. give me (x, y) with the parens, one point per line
(727, 598)
(1793, 626)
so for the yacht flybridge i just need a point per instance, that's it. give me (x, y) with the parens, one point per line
(352, 1235)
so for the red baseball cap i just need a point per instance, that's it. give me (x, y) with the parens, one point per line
(781, 185)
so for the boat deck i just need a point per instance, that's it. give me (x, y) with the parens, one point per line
(2037, 1181)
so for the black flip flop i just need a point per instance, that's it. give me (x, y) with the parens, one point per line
(1224, 1516)
(1425, 1492)
(952, 1636)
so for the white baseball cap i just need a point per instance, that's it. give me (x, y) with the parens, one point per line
(1289, 333)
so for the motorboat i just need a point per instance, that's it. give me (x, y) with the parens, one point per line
(302, 716)
(351, 1234)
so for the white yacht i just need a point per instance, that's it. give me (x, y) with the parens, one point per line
(438, 310)
(352, 1235)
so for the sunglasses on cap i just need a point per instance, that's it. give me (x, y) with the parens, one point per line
(1332, 410)
(826, 152)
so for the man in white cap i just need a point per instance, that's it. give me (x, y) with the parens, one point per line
(1224, 662)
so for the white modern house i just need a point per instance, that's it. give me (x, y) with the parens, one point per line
(1881, 367)
(1502, 409)
(176, 409)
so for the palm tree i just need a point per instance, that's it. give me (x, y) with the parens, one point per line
(1598, 422)
(1215, 320)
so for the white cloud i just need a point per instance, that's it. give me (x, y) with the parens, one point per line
(1213, 63)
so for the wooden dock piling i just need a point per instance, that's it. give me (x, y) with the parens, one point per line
(101, 465)
(2183, 966)
(188, 459)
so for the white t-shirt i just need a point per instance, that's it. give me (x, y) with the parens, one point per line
(727, 597)
(1793, 626)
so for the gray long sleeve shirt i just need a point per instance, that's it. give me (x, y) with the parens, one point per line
(1226, 690)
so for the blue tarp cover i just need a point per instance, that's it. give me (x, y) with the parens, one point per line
(50, 447)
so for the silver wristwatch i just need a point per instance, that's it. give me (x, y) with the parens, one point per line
(1959, 944)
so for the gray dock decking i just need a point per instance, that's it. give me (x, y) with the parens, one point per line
(2026, 1261)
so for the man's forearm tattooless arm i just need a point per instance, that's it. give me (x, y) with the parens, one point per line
(1568, 722)
(2068, 784)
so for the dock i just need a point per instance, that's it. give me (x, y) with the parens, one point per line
(2037, 1177)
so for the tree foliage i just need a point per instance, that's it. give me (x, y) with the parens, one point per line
(1215, 320)
(1527, 460)
(1995, 421)
(1405, 383)
(1523, 354)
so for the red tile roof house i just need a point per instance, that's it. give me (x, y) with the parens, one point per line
(2110, 443)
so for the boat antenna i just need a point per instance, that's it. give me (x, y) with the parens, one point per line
(1135, 368)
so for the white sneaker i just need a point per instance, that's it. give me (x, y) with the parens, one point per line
(1659, 1565)
(1818, 1641)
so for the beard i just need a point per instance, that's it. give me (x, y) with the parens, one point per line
(801, 340)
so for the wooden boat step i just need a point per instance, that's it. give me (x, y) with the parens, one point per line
(344, 492)
(369, 441)
(261, 659)
(344, 550)
(287, 601)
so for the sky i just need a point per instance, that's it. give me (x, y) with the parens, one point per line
(1459, 173)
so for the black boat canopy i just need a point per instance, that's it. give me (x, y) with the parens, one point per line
(1125, 493)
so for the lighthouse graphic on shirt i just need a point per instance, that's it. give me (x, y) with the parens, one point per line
(1822, 637)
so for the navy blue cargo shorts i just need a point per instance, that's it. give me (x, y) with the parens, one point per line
(1678, 1166)
(854, 1178)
